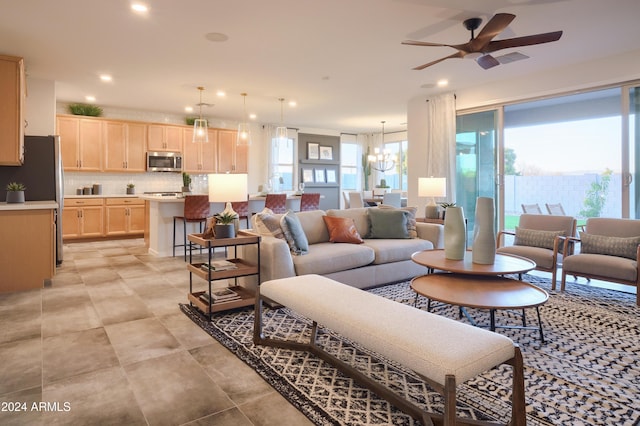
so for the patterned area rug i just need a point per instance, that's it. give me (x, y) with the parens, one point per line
(586, 373)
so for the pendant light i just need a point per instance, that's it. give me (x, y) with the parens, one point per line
(200, 127)
(244, 131)
(282, 135)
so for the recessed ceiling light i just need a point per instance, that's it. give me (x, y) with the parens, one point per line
(90, 98)
(188, 109)
(252, 116)
(443, 83)
(139, 7)
(106, 77)
(221, 93)
(293, 104)
(217, 37)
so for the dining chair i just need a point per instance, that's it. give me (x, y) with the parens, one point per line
(345, 197)
(309, 201)
(277, 203)
(242, 208)
(196, 210)
(555, 209)
(392, 199)
(355, 199)
(531, 208)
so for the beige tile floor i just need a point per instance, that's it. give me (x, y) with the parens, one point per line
(107, 344)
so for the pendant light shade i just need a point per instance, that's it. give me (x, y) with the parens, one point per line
(200, 127)
(244, 131)
(282, 134)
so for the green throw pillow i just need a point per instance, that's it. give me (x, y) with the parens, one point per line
(612, 246)
(386, 223)
(536, 238)
(294, 234)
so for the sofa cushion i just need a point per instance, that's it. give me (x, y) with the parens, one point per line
(536, 238)
(294, 234)
(612, 246)
(543, 257)
(395, 250)
(612, 267)
(268, 223)
(387, 223)
(359, 216)
(327, 258)
(411, 218)
(342, 230)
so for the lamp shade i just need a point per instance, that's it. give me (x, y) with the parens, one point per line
(432, 187)
(226, 187)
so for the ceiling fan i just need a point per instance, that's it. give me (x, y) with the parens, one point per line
(483, 45)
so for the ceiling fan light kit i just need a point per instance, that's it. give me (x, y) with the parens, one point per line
(483, 45)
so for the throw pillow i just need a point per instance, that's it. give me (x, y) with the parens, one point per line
(268, 224)
(387, 223)
(612, 246)
(411, 218)
(342, 230)
(294, 234)
(536, 238)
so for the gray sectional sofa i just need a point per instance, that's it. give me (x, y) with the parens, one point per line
(374, 262)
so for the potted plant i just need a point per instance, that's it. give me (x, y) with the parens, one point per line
(444, 208)
(131, 188)
(224, 227)
(15, 192)
(186, 182)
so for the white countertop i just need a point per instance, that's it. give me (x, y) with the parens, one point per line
(162, 198)
(104, 196)
(29, 205)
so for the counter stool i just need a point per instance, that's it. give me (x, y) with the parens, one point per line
(196, 210)
(242, 208)
(309, 201)
(276, 202)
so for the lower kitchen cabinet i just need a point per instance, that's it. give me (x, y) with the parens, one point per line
(83, 218)
(124, 216)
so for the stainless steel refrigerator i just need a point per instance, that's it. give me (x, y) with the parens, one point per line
(42, 175)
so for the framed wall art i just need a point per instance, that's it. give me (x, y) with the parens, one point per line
(307, 175)
(326, 152)
(331, 176)
(313, 151)
(320, 176)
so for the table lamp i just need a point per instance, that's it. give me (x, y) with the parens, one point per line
(227, 187)
(432, 187)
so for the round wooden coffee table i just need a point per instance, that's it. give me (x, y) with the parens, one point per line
(504, 263)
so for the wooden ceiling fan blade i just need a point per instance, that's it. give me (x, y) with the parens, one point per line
(495, 26)
(424, 43)
(455, 55)
(523, 41)
(487, 61)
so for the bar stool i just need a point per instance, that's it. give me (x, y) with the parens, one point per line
(242, 208)
(309, 201)
(276, 202)
(196, 210)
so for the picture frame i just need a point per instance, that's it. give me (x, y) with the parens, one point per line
(331, 176)
(307, 176)
(320, 175)
(326, 152)
(313, 151)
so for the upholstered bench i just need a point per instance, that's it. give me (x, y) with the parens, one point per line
(442, 351)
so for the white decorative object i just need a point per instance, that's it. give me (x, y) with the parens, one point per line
(484, 235)
(454, 234)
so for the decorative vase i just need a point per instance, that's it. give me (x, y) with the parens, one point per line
(15, 197)
(224, 230)
(454, 234)
(484, 235)
(131, 191)
(186, 189)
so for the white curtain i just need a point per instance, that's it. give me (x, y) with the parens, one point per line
(441, 140)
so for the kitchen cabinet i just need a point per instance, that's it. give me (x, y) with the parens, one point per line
(12, 87)
(124, 146)
(231, 157)
(124, 216)
(163, 137)
(82, 218)
(80, 142)
(200, 157)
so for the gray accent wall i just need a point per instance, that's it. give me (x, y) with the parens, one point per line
(325, 172)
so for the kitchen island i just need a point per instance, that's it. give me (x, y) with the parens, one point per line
(162, 209)
(27, 252)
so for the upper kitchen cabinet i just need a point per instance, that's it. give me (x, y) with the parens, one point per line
(231, 157)
(80, 142)
(199, 157)
(124, 146)
(163, 137)
(12, 87)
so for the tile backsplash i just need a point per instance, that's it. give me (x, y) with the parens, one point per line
(116, 183)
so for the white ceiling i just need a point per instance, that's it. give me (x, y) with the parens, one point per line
(341, 60)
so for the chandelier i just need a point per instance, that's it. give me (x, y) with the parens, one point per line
(381, 159)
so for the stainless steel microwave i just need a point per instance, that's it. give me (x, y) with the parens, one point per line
(164, 161)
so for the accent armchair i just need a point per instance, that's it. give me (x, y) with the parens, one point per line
(541, 239)
(609, 251)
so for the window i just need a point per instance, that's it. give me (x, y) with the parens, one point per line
(349, 167)
(397, 177)
(282, 168)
